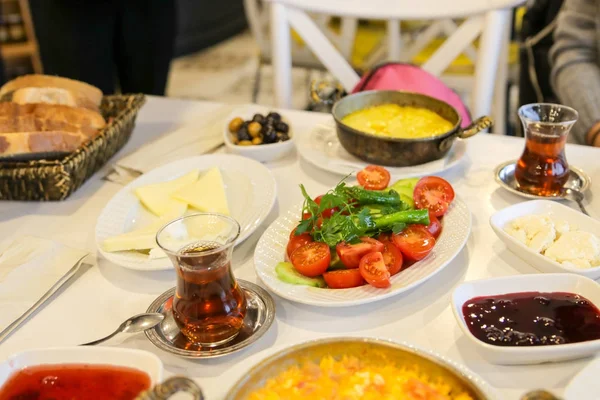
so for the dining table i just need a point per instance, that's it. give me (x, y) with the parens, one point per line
(106, 294)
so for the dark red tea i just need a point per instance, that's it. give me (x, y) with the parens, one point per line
(542, 169)
(209, 306)
(75, 381)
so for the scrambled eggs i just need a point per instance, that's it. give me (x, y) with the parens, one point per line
(351, 378)
(394, 121)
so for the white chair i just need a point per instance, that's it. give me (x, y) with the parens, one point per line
(257, 14)
(489, 19)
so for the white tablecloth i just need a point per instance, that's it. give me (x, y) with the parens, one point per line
(106, 295)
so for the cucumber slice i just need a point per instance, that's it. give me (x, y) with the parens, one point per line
(409, 182)
(335, 263)
(288, 274)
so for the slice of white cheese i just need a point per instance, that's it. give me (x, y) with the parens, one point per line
(157, 196)
(206, 194)
(136, 240)
(143, 238)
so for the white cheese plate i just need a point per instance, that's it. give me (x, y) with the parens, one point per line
(250, 188)
(271, 247)
(500, 220)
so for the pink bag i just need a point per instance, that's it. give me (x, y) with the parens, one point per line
(410, 78)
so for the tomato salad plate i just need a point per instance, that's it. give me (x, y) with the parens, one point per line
(361, 243)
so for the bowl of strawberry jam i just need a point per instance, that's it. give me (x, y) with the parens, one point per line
(530, 319)
(79, 373)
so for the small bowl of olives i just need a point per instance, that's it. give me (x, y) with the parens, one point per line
(258, 133)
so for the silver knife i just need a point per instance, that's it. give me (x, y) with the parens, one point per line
(19, 321)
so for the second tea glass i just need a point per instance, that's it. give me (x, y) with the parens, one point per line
(543, 169)
(209, 306)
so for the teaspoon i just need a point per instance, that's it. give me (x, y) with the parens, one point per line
(135, 324)
(576, 196)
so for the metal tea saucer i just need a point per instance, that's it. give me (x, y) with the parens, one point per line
(260, 312)
(505, 176)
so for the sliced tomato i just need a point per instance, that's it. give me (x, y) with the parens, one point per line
(344, 278)
(297, 241)
(350, 254)
(435, 226)
(392, 257)
(311, 259)
(327, 213)
(415, 242)
(305, 216)
(373, 177)
(434, 194)
(373, 269)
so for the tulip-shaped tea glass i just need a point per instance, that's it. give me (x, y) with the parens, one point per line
(543, 169)
(208, 306)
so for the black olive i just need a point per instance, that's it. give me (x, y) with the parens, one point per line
(269, 135)
(274, 116)
(267, 125)
(282, 127)
(243, 134)
(258, 118)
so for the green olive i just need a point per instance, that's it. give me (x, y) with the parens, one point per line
(254, 129)
(234, 139)
(257, 140)
(245, 143)
(235, 124)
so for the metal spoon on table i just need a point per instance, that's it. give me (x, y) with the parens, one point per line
(135, 324)
(577, 197)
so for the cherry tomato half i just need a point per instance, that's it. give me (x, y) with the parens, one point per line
(344, 278)
(297, 241)
(415, 242)
(435, 226)
(373, 269)
(434, 194)
(373, 177)
(311, 259)
(392, 257)
(350, 254)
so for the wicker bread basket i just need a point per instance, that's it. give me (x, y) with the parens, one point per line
(45, 180)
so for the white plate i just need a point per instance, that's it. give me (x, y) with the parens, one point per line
(502, 218)
(271, 249)
(569, 283)
(263, 152)
(249, 185)
(322, 148)
(585, 385)
(137, 359)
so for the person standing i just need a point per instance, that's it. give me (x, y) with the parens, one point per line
(576, 66)
(116, 45)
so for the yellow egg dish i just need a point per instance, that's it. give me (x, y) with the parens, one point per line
(352, 378)
(394, 121)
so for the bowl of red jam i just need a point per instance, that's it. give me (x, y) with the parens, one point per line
(98, 373)
(529, 319)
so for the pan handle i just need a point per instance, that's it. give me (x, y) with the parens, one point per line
(164, 390)
(480, 124)
(474, 128)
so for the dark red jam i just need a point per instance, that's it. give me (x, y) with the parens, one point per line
(532, 319)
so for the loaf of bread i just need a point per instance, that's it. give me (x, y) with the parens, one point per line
(31, 128)
(39, 142)
(51, 89)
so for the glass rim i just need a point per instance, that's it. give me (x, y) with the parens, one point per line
(230, 241)
(567, 108)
